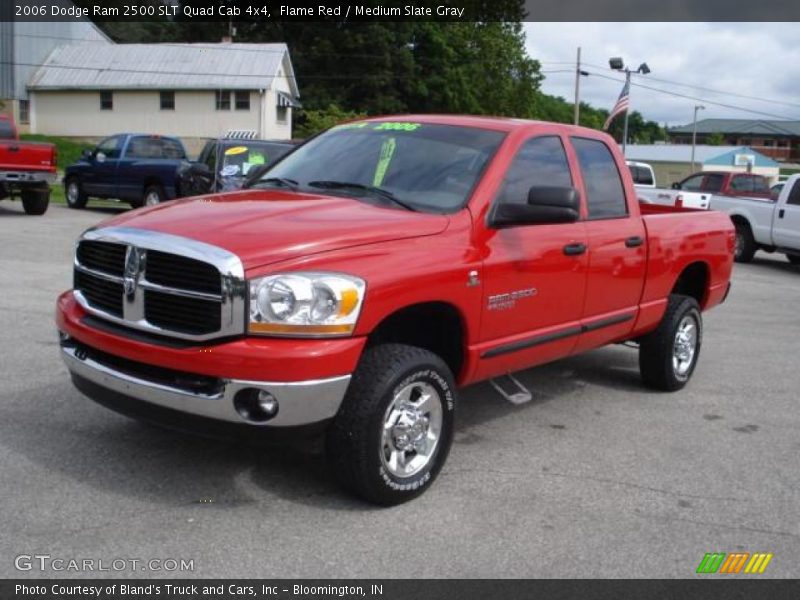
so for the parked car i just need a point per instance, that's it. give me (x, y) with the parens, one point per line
(642, 174)
(137, 168)
(726, 184)
(769, 226)
(376, 269)
(26, 169)
(226, 164)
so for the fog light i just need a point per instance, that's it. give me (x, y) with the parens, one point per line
(268, 403)
(255, 406)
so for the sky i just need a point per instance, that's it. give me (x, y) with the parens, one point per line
(737, 59)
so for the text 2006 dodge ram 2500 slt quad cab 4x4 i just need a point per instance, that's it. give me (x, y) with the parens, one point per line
(375, 270)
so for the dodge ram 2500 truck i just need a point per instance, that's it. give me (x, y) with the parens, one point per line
(374, 271)
(772, 226)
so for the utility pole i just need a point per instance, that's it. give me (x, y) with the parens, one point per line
(694, 130)
(578, 88)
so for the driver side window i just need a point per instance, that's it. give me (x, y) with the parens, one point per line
(693, 184)
(110, 147)
(541, 161)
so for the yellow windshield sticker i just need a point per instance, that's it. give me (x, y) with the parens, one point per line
(235, 150)
(387, 152)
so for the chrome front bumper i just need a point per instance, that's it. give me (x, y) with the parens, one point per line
(301, 402)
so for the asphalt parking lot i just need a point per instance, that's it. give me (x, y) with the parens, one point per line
(596, 477)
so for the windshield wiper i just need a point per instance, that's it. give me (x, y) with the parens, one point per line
(281, 181)
(370, 189)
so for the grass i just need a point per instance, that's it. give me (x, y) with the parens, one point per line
(57, 197)
(69, 151)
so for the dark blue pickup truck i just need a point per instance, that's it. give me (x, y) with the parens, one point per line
(137, 168)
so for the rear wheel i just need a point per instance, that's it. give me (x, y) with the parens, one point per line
(745, 247)
(394, 429)
(73, 192)
(668, 355)
(152, 196)
(36, 201)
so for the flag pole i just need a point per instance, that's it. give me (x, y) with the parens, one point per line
(627, 111)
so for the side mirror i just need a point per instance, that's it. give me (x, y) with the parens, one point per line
(676, 186)
(87, 153)
(546, 205)
(100, 157)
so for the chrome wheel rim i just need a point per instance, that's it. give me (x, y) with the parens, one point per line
(685, 346)
(72, 193)
(151, 199)
(412, 427)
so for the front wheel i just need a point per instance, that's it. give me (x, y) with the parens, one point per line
(74, 194)
(668, 355)
(394, 429)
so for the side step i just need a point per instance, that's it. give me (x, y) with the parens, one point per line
(510, 388)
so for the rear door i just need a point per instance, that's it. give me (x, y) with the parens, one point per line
(786, 225)
(616, 243)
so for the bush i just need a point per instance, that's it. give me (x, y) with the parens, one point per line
(69, 151)
(311, 122)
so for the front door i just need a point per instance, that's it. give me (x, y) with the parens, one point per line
(100, 179)
(786, 223)
(534, 275)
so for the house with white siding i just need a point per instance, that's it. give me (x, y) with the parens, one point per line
(193, 91)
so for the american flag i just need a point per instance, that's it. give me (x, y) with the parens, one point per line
(620, 107)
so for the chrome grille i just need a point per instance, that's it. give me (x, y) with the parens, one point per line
(164, 284)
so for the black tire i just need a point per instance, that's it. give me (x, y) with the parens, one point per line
(355, 446)
(745, 244)
(793, 258)
(657, 349)
(36, 201)
(74, 194)
(151, 192)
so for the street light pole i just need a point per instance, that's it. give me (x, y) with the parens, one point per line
(618, 64)
(578, 88)
(694, 131)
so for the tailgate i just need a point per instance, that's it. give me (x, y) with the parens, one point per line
(26, 156)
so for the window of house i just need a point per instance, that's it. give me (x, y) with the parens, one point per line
(106, 101)
(769, 143)
(24, 111)
(282, 114)
(605, 194)
(242, 100)
(167, 100)
(223, 100)
(540, 161)
(744, 142)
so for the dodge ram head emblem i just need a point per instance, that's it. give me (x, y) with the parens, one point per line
(131, 274)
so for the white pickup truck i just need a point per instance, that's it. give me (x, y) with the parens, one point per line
(645, 182)
(762, 224)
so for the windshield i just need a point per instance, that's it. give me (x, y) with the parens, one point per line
(431, 168)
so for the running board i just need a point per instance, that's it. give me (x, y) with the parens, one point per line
(519, 394)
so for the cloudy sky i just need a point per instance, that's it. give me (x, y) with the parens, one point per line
(737, 59)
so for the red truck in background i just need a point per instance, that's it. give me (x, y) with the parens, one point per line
(374, 271)
(26, 169)
(725, 183)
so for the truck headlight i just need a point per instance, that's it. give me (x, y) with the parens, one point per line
(305, 303)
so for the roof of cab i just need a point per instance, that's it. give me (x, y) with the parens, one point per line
(482, 122)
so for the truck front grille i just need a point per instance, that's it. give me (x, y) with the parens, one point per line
(161, 292)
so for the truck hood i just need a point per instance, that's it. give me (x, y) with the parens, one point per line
(267, 226)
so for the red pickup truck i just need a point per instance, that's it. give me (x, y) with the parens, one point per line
(725, 183)
(374, 271)
(26, 169)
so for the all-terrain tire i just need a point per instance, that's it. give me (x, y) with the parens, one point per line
(745, 244)
(664, 360)
(356, 443)
(36, 201)
(74, 194)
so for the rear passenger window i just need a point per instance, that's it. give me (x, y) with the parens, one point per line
(742, 183)
(760, 185)
(605, 195)
(713, 183)
(540, 161)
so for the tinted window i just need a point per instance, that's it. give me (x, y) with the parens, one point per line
(6, 130)
(430, 167)
(713, 183)
(742, 183)
(760, 185)
(693, 184)
(605, 195)
(110, 147)
(540, 161)
(794, 194)
(641, 175)
(152, 147)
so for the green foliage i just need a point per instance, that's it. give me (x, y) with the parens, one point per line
(311, 122)
(69, 151)
(715, 139)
